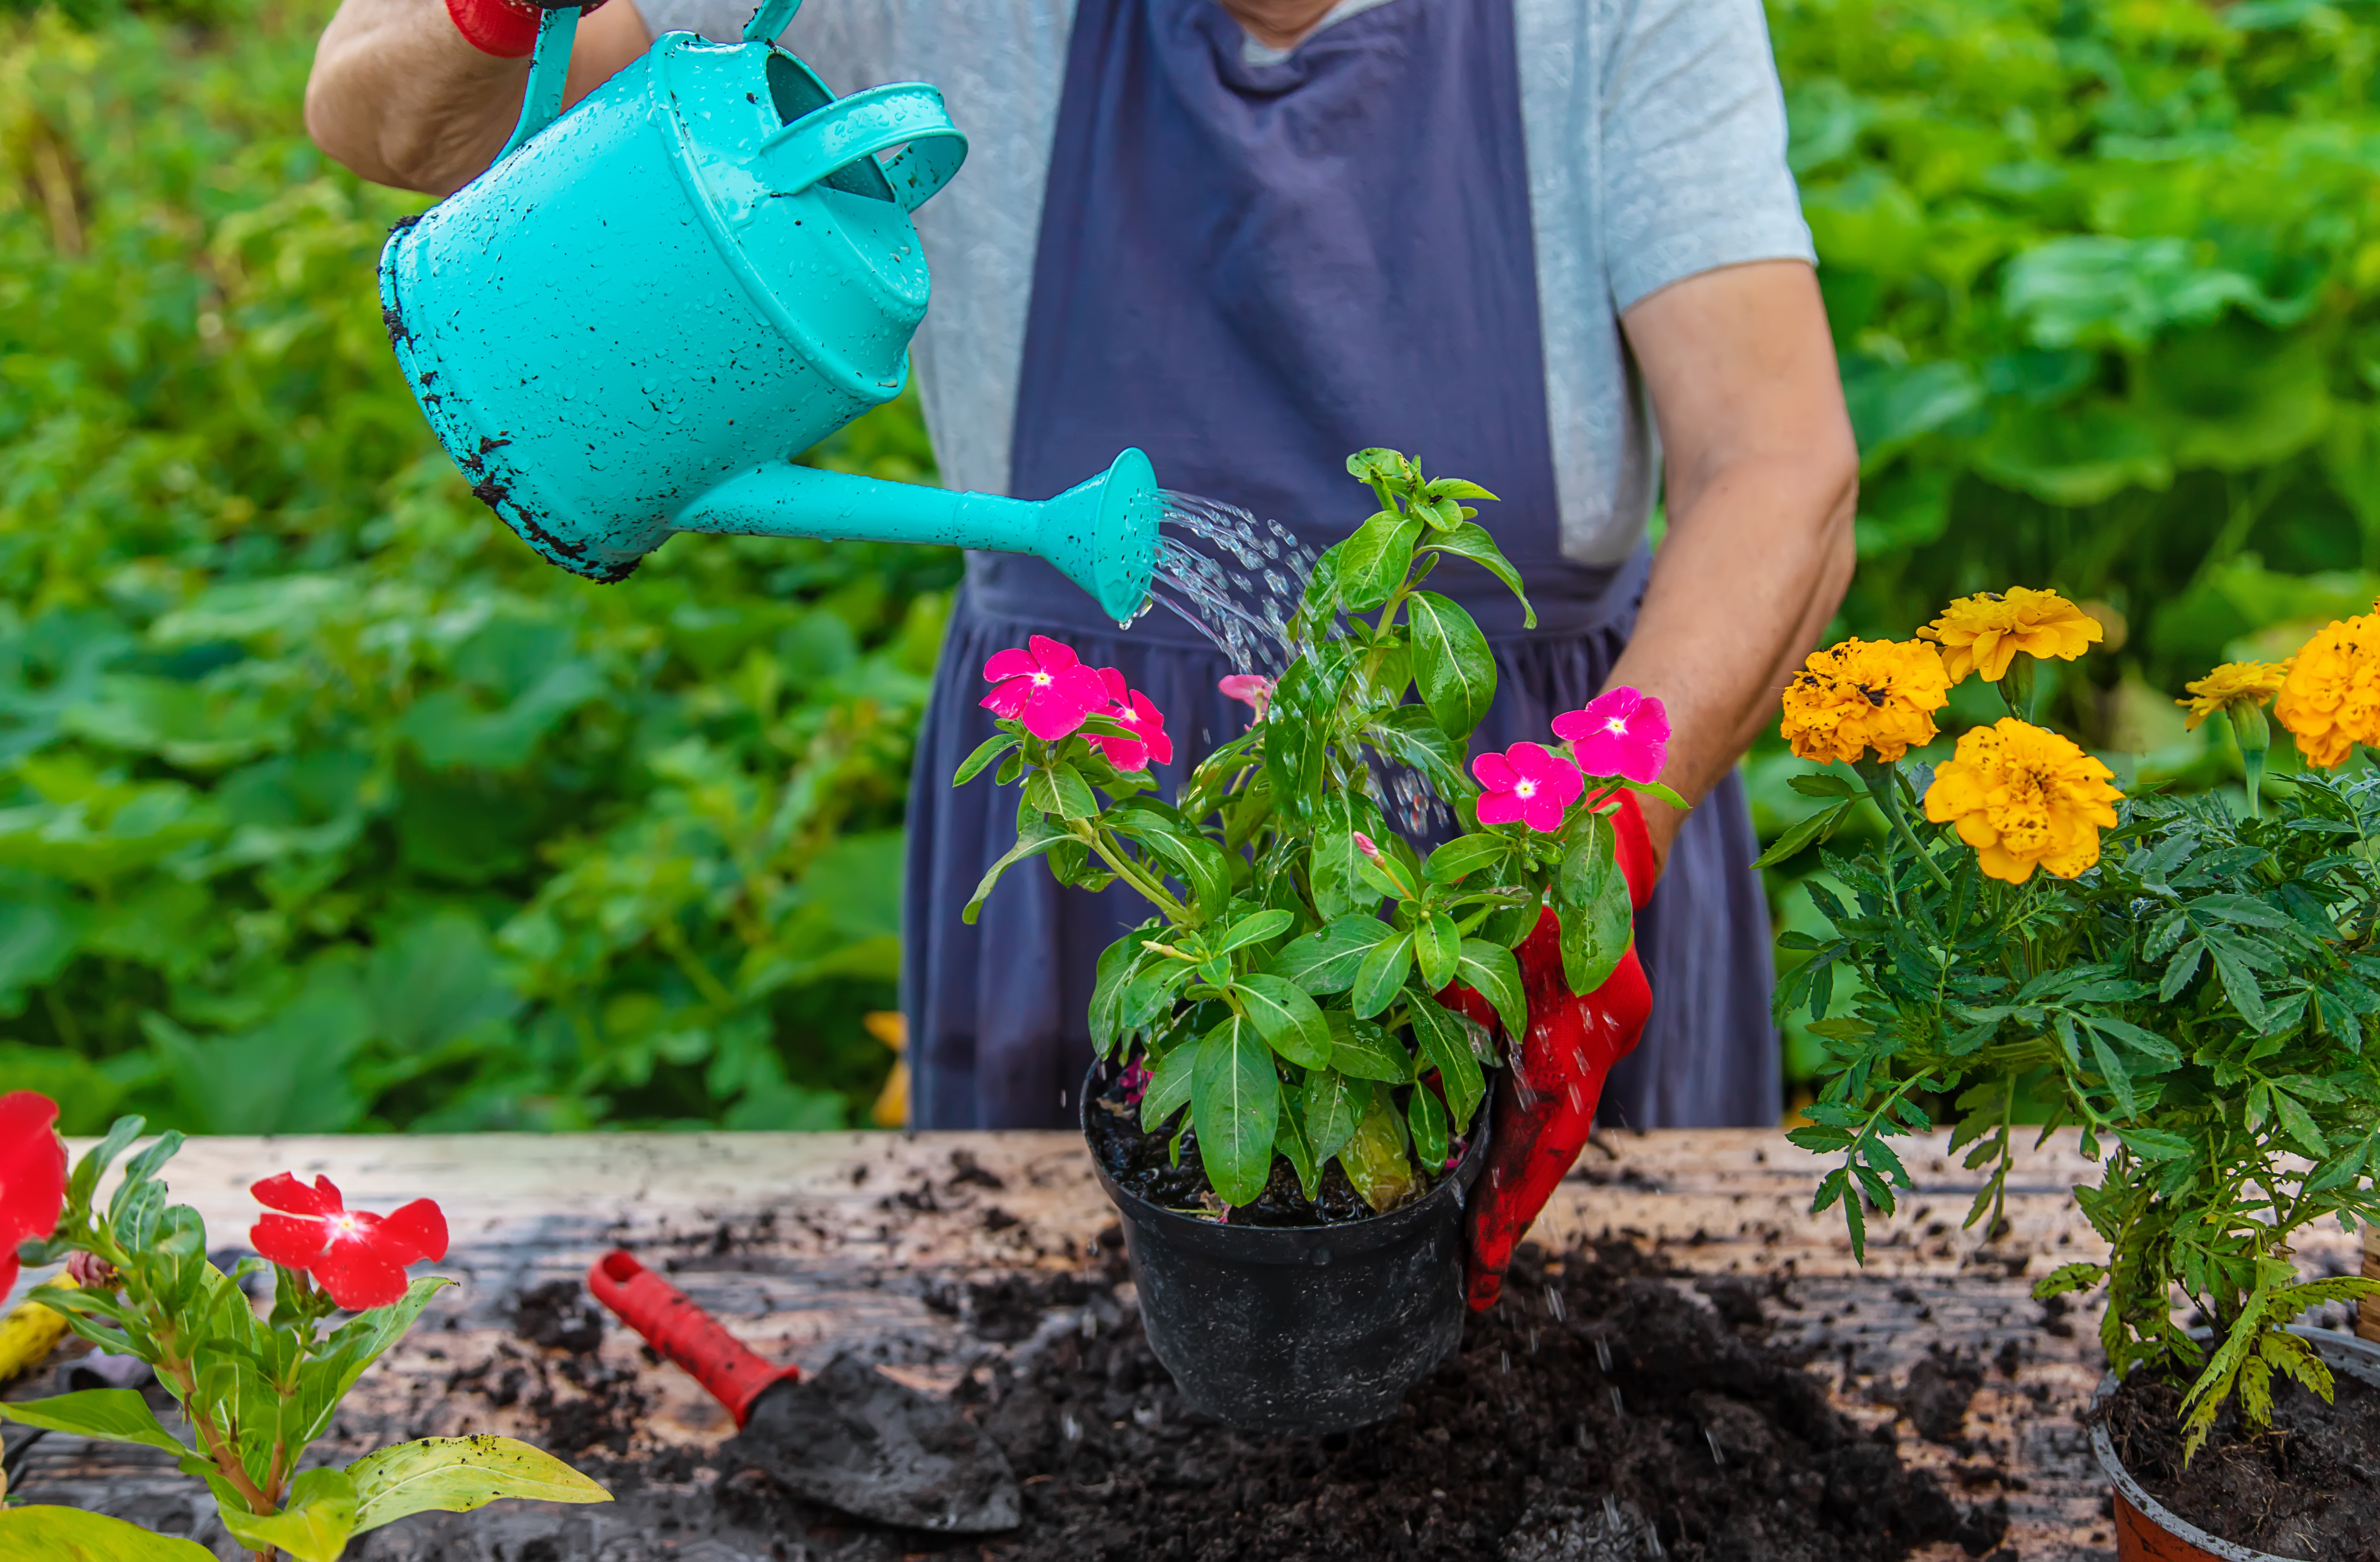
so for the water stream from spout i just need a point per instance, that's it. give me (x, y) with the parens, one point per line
(1238, 581)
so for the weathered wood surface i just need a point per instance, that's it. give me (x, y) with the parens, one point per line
(807, 1243)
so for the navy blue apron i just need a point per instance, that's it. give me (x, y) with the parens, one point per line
(1250, 270)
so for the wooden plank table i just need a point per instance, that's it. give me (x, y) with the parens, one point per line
(805, 1244)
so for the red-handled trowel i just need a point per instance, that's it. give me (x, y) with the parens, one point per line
(848, 1436)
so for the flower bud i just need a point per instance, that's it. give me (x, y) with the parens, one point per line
(1364, 844)
(92, 1272)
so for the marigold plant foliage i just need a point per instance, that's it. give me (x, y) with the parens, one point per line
(2199, 991)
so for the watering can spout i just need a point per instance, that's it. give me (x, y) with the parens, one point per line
(1101, 534)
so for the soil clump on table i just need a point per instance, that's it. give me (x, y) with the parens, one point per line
(2309, 1489)
(1600, 1413)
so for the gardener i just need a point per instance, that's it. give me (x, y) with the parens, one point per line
(1252, 236)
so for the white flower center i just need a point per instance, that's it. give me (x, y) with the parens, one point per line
(1524, 788)
(1040, 679)
(343, 1225)
(1618, 726)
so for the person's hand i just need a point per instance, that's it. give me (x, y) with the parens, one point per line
(1553, 1076)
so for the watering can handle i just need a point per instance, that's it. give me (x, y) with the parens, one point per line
(847, 129)
(549, 67)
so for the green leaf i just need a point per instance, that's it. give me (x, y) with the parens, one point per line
(1591, 898)
(2154, 1145)
(1342, 889)
(1332, 1102)
(1289, 1138)
(1817, 828)
(457, 1474)
(1446, 1047)
(1427, 1118)
(1235, 1102)
(114, 1415)
(2300, 1124)
(984, 753)
(1362, 1051)
(313, 1524)
(1470, 540)
(1076, 800)
(1251, 929)
(98, 1158)
(1374, 562)
(1375, 1159)
(1286, 1017)
(1382, 974)
(1169, 1086)
(1464, 856)
(1117, 963)
(71, 1534)
(1490, 971)
(1452, 666)
(1033, 838)
(1196, 860)
(1410, 736)
(1325, 959)
(1438, 949)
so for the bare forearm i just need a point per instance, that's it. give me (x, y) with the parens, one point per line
(399, 96)
(1761, 478)
(1741, 589)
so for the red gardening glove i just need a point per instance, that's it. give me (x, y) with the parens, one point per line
(1547, 1095)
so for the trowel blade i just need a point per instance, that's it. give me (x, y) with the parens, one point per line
(854, 1439)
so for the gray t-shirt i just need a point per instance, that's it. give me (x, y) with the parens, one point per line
(1655, 135)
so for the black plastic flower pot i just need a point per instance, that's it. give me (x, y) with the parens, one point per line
(1310, 1329)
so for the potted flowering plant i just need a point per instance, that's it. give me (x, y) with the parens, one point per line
(254, 1392)
(1294, 1048)
(2194, 985)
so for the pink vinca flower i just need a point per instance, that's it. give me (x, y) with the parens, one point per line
(1620, 732)
(1251, 689)
(1046, 687)
(1364, 844)
(1527, 782)
(1133, 709)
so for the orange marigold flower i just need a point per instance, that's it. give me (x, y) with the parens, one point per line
(2330, 700)
(1983, 633)
(1863, 695)
(2024, 798)
(2233, 684)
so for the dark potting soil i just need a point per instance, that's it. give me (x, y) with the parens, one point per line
(1143, 1164)
(1598, 1414)
(2309, 1489)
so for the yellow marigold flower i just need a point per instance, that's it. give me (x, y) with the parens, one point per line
(2331, 698)
(1983, 633)
(2234, 683)
(2024, 798)
(1864, 695)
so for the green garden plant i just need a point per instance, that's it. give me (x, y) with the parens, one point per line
(2196, 986)
(1269, 996)
(254, 1393)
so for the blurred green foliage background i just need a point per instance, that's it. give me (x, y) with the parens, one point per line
(324, 805)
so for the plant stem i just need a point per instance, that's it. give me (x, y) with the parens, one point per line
(1155, 893)
(1881, 779)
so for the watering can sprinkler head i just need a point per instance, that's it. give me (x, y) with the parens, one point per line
(707, 260)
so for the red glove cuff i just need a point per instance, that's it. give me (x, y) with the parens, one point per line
(506, 28)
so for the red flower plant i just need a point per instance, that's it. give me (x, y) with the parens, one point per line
(1134, 710)
(1251, 689)
(1620, 732)
(1527, 782)
(32, 1175)
(1046, 687)
(358, 1257)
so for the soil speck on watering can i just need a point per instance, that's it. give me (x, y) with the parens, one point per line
(2311, 1489)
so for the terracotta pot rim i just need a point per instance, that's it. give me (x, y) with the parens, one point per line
(2164, 1518)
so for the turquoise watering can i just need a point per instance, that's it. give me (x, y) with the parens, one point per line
(705, 261)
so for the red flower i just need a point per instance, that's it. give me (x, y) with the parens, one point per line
(358, 1257)
(1133, 709)
(1048, 688)
(32, 1175)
